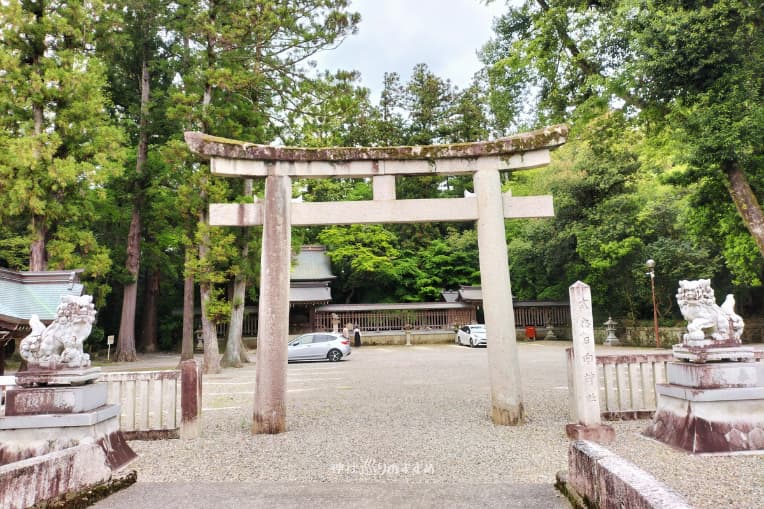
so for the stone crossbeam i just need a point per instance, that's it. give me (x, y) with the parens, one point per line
(240, 159)
(381, 211)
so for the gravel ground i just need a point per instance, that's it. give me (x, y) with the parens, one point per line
(419, 414)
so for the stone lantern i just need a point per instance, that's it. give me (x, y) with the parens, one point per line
(611, 339)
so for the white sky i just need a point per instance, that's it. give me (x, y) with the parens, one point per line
(395, 35)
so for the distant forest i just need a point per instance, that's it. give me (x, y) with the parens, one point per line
(665, 161)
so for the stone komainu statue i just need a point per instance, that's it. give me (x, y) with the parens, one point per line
(707, 323)
(60, 344)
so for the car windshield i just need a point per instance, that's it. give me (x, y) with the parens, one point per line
(478, 328)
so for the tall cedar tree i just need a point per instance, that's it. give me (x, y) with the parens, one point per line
(135, 56)
(247, 62)
(57, 142)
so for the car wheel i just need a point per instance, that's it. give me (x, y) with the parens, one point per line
(472, 342)
(334, 355)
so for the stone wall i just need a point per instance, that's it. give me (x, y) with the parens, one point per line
(596, 477)
(645, 336)
(399, 337)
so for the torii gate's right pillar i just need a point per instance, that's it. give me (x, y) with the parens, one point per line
(503, 363)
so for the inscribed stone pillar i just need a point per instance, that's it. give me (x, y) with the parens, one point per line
(273, 322)
(503, 363)
(585, 381)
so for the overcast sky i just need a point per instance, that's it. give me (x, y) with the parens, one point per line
(395, 35)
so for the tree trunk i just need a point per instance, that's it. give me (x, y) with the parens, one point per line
(235, 353)
(187, 343)
(209, 331)
(126, 343)
(232, 354)
(126, 339)
(149, 340)
(38, 260)
(746, 202)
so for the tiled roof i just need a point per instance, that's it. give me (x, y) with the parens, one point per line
(25, 293)
(337, 308)
(312, 264)
(314, 293)
(470, 293)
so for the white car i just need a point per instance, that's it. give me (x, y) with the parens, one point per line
(318, 346)
(472, 335)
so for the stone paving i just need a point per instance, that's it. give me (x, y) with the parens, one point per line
(409, 426)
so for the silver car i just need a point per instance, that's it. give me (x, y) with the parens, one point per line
(318, 346)
(473, 335)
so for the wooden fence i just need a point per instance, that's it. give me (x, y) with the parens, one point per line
(627, 383)
(396, 320)
(149, 401)
(541, 314)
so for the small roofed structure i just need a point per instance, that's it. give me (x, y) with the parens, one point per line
(23, 294)
(309, 282)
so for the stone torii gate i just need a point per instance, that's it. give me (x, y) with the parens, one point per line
(276, 213)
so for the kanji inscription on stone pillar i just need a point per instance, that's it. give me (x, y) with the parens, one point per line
(585, 381)
(586, 387)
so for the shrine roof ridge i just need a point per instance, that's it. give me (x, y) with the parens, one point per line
(213, 146)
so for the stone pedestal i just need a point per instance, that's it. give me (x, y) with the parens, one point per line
(713, 407)
(734, 352)
(600, 433)
(54, 400)
(67, 431)
(57, 377)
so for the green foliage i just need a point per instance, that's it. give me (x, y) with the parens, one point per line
(663, 98)
(14, 250)
(445, 264)
(73, 247)
(682, 85)
(58, 145)
(363, 259)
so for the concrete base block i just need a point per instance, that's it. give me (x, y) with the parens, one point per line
(53, 475)
(710, 353)
(606, 481)
(713, 375)
(40, 423)
(69, 376)
(710, 420)
(54, 400)
(29, 436)
(600, 433)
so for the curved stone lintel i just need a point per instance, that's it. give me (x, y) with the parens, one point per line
(212, 146)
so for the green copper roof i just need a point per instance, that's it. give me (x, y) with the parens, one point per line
(23, 294)
(312, 264)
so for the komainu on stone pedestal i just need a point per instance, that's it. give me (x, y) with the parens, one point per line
(714, 399)
(59, 345)
(707, 323)
(59, 436)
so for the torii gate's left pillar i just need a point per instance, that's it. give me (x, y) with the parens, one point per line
(273, 326)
